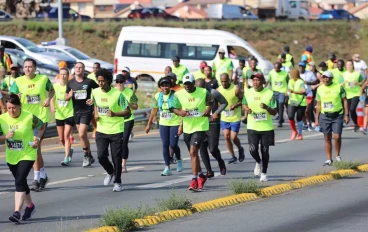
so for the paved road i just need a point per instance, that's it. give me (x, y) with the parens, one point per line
(76, 197)
(338, 206)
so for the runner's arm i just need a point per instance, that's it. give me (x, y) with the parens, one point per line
(50, 89)
(221, 99)
(177, 107)
(271, 108)
(363, 88)
(135, 85)
(240, 94)
(124, 106)
(133, 102)
(68, 93)
(39, 125)
(154, 111)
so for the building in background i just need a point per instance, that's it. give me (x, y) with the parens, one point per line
(104, 8)
(186, 10)
(84, 7)
(360, 11)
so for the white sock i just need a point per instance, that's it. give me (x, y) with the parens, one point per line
(43, 173)
(36, 175)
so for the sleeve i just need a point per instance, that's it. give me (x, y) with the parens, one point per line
(302, 85)
(318, 97)
(14, 88)
(154, 102)
(273, 102)
(122, 102)
(231, 65)
(209, 99)
(221, 99)
(186, 71)
(3, 84)
(133, 99)
(342, 92)
(244, 101)
(37, 123)
(361, 78)
(364, 65)
(215, 84)
(67, 87)
(1, 131)
(49, 86)
(175, 102)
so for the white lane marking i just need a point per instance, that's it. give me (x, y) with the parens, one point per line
(66, 181)
(2, 193)
(170, 182)
(5, 172)
(130, 169)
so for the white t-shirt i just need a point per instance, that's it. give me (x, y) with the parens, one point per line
(286, 69)
(360, 66)
(308, 76)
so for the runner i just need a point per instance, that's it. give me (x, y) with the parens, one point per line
(79, 90)
(238, 75)
(331, 106)
(63, 115)
(16, 129)
(95, 68)
(230, 117)
(338, 73)
(286, 66)
(353, 80)
(130, 82)
(110, 109)
(297, 104)
(213, 134)
(5, 60)
(132, 100)
(193, 105)
(331, 61)
(35, 92)
(307, 54)
(247, 75)
(200, 73)
(168, 70)
(62, 64)
(288, 60)
(169, 124)
(222, 65)
(260, 105)
(9, 80)
(279, 85)
(360, 65)
(179, 69)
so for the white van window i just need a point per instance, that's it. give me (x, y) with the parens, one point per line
(237, 52)
(169, 50)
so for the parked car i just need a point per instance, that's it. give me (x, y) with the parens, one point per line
(75, 54)
(152, 12)
(18, 58)
(68, 13)
(5, 16)
(33, 50)
(337, 14)
(224, 11)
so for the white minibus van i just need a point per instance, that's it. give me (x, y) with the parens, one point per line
(148, 50)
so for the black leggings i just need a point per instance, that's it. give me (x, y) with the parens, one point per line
(298, 110)
(20, 172)
(352, 105)
(128, 127)
(211, 143)
(311, 111)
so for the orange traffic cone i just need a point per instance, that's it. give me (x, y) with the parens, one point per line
(360, 114)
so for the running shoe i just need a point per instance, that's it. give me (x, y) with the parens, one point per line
(222, 167)
(65, 162)
(363, 130)
(193, 185)
(86, 162)
(263, 177)
(305, 127)
(241, 154)
(166, 172)
(131, 136)
(108, 179)
(356, 128)
(201, 181)
(179, 165)
(310, 128)
(43, 182)
(15, 217)
(70, 157)
(28, 212)
(118, 187)
(293, 135)
(279, 125)
(210, 174)
(35, 186)
(257, 169)
(338, 158)
(91, 159)
(328, 163)
(233, 160)
(299, 137)
(317, 129)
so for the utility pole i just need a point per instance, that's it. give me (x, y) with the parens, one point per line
(60, 40)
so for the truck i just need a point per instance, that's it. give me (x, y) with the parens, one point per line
(283, 9)
(225, 11)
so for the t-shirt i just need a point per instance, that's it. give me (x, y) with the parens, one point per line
(81, 92)
(213, 84)
(249, 73)
(308, 76)
(360, 66)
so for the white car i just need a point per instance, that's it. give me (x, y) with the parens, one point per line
(76, 54)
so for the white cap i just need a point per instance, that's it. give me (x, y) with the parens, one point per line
(327, 74)
(126, 69)
(188, 78)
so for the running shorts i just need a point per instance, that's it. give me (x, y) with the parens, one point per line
(68, 121)
(331, 125)
(267, 138)
(195, 139)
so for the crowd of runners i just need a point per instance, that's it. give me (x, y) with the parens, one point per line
(198, 105)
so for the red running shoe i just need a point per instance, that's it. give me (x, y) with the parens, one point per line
(201, 181)
(193, 185)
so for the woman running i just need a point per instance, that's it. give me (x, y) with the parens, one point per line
(16, 129)
(169, 124)
(297, 104)
(64, 115)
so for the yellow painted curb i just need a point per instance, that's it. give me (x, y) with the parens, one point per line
(276, 189)
(105, 229)
(347, 172)
(363, 168)
(161, 217)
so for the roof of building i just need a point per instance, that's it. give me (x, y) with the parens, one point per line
(190, 7)
(358, 8)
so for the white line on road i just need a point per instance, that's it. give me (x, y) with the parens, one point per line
(130, 169)
(66, 181)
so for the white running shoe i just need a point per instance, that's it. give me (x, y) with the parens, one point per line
(118, 187)
(257, 169)
(108, 179)
(338, 158)
(263, 177)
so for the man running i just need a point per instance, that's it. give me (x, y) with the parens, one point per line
(36, 92)
(200, 73)
(95, 68)
(331, 107)
(338, 73)
(79, 90)
(288, 58)
(222, 65)
(179, 69)
(130, 82)
(238, 76)
(247, 75)
(260, 105)
(194, 106)
(9, 80)
(230, 117)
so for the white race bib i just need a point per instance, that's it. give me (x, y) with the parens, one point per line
(102, 111)
(62, 103)
(351, 85)
(33, 99)
(328, 106)
(279, 84)
(228, 113)
(80, 94)
(260, 117)
(194, 114)
(166, 115)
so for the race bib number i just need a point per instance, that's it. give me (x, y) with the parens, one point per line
(228, 113)
(223, 69)
(328, 106)
(33, 99)
(80, 94)
(279, 84)
(62, 103)
(194, 114)
(166, 115)
(351, 85)
(260, 117)
(15, 145)
(102, 111)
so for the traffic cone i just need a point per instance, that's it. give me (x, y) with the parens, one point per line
(360, 114)
(71, 139)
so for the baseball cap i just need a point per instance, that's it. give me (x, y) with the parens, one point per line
(172, 75)
(120, 77)
(13, 66)
(322, 64)
(203, 64)
(125, 69)
(221, 50)
(164, 80)
(312, 63)
(258, 75)
(188, 78)
(327, 74)
(62, 64)
(302, 64)
(176, 58)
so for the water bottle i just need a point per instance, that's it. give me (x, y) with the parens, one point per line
(11, 139)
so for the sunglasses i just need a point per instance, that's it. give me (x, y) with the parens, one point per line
(222, 53)
(120, 82)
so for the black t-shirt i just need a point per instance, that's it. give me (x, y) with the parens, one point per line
(213, 84)
(81, 92)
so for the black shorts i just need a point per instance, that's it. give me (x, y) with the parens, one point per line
(83, 116)
(267, 138)
(195, 139)
(68, 121)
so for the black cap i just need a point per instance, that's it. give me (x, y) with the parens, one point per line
(120, 77)
(322, 64)
(176, 58)
(286, 48)
(164, 80)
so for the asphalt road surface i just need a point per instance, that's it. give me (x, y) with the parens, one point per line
(75, 198)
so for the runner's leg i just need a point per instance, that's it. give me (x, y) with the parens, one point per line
(116, 155)
(128, 127)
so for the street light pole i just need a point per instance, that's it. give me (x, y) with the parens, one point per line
(60, 40)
